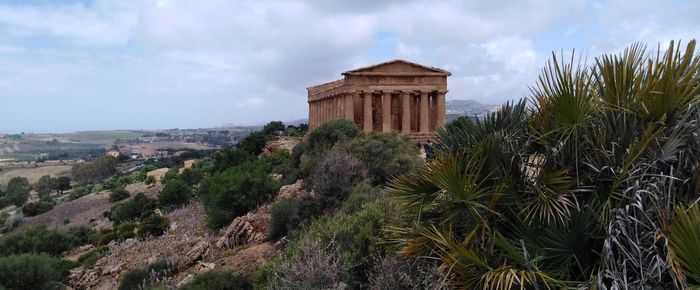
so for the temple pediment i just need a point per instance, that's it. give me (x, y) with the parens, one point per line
(398, 67)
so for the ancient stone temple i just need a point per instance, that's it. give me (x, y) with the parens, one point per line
(392, 96)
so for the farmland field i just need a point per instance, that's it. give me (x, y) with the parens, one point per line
(33, 173)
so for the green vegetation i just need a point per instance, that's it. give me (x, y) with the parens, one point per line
(90, 258)
(152, 225)
(175, 193)
(41, 240)
(385, 155)
(17, 191)
(119, 233)
(32, 271)
(94, 171)
(218, 280)
(46, 184)
(330, 133)
(334, 177)
(237, 190)
(132, 210)
(36, 208)
(586, 189)
(139, 279)
(119, 193)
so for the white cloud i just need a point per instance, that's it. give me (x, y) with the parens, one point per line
(217, 59)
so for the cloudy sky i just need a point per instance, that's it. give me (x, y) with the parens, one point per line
(118, 64)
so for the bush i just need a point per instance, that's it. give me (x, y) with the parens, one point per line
(138, 278)
(192, 176)
(226, 158)
(218, 280)
(119, 233)
(95, 171)
(385, 155)
(135, 279)
(273, 128)
(133, 209)
(78, 192)
(330, 133)
(236, 191)
(174, 194)
(254, 143)
(17, 191)
(32, 271)
(40, 240)
(89, 259)
(335, 176)
(36, 208)
(361, 194)
(284, 216)
(153, 225)
(354, 240)
(119, 193)
(316, 266)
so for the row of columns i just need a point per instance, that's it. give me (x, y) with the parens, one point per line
(342, 106)
(334, 107)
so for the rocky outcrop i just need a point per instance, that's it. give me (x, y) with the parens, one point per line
(283, 142)
(247, 229)
(296, 190)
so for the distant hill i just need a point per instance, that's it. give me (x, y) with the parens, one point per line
(456, 108)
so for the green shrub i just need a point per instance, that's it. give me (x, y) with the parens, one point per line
(218, 280)
(153, 225)
(174, 194)
(3, 218)
(284, 216)
(40, 240)
(119, 233)
(118, 193)
(384, 154)
(139, 278)
(78, 192)
(135, 279)
(32, 271)
(335, 176)
(254, 143)
(227, 158)
(17, 191)
(354, 238)
(94, 171)
(36, 208)
(237, 190)
(133, 209)
(361, 194)
(330, 133)
(192, 176)
(90, 258)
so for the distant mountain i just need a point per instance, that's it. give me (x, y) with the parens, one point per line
(456, 108)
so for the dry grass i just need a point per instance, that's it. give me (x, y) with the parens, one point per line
(85, 211)
(33, 173)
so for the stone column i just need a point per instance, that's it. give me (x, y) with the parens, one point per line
(441, 110)
(349, 107)
(368, 113)
(424, 112)
(386, 111)
(311, 115)
(405, 112)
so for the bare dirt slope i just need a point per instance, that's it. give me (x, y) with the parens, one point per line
(87, 210)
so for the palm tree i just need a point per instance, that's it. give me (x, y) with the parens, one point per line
(587, 185)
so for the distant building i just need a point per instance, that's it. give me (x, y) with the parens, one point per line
(113, 153)
(396, 96)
